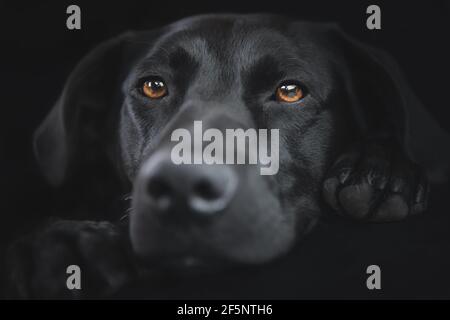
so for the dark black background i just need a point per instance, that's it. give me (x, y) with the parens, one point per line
(37, 53)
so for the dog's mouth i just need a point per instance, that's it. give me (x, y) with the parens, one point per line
(188, 263)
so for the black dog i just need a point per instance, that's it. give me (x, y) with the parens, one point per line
(351, 133)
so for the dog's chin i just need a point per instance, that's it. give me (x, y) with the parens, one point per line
(188, 264)
(190, 257)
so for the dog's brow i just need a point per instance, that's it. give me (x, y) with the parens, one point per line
(179, 58)
(261, 74)
(162, 58)
(150, 65)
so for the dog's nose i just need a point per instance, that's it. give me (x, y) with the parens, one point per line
(187, 191)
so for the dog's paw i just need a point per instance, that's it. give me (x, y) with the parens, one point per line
(376, 183)
(37, 264)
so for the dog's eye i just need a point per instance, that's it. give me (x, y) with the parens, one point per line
(289, 92)
(154, 88)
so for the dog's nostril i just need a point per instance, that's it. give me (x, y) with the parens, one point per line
(160, 191)
(213, 192)
(157, 187)
(206, 190)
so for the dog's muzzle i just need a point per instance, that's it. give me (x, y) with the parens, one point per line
(185, 193)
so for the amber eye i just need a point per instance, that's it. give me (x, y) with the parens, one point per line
(154, 89)
(289, 92)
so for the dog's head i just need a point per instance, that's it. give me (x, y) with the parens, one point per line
(136, 100)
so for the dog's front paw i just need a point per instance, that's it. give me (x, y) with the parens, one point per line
(376, 183)
(37, 264)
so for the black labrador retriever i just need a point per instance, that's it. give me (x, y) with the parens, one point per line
(352, 137)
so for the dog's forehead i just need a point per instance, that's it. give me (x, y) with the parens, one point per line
(240, 40)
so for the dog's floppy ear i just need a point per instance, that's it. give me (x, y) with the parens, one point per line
(384, 105)
(76, 119)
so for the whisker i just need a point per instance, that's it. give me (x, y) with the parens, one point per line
(127, 197)
(125, 216)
